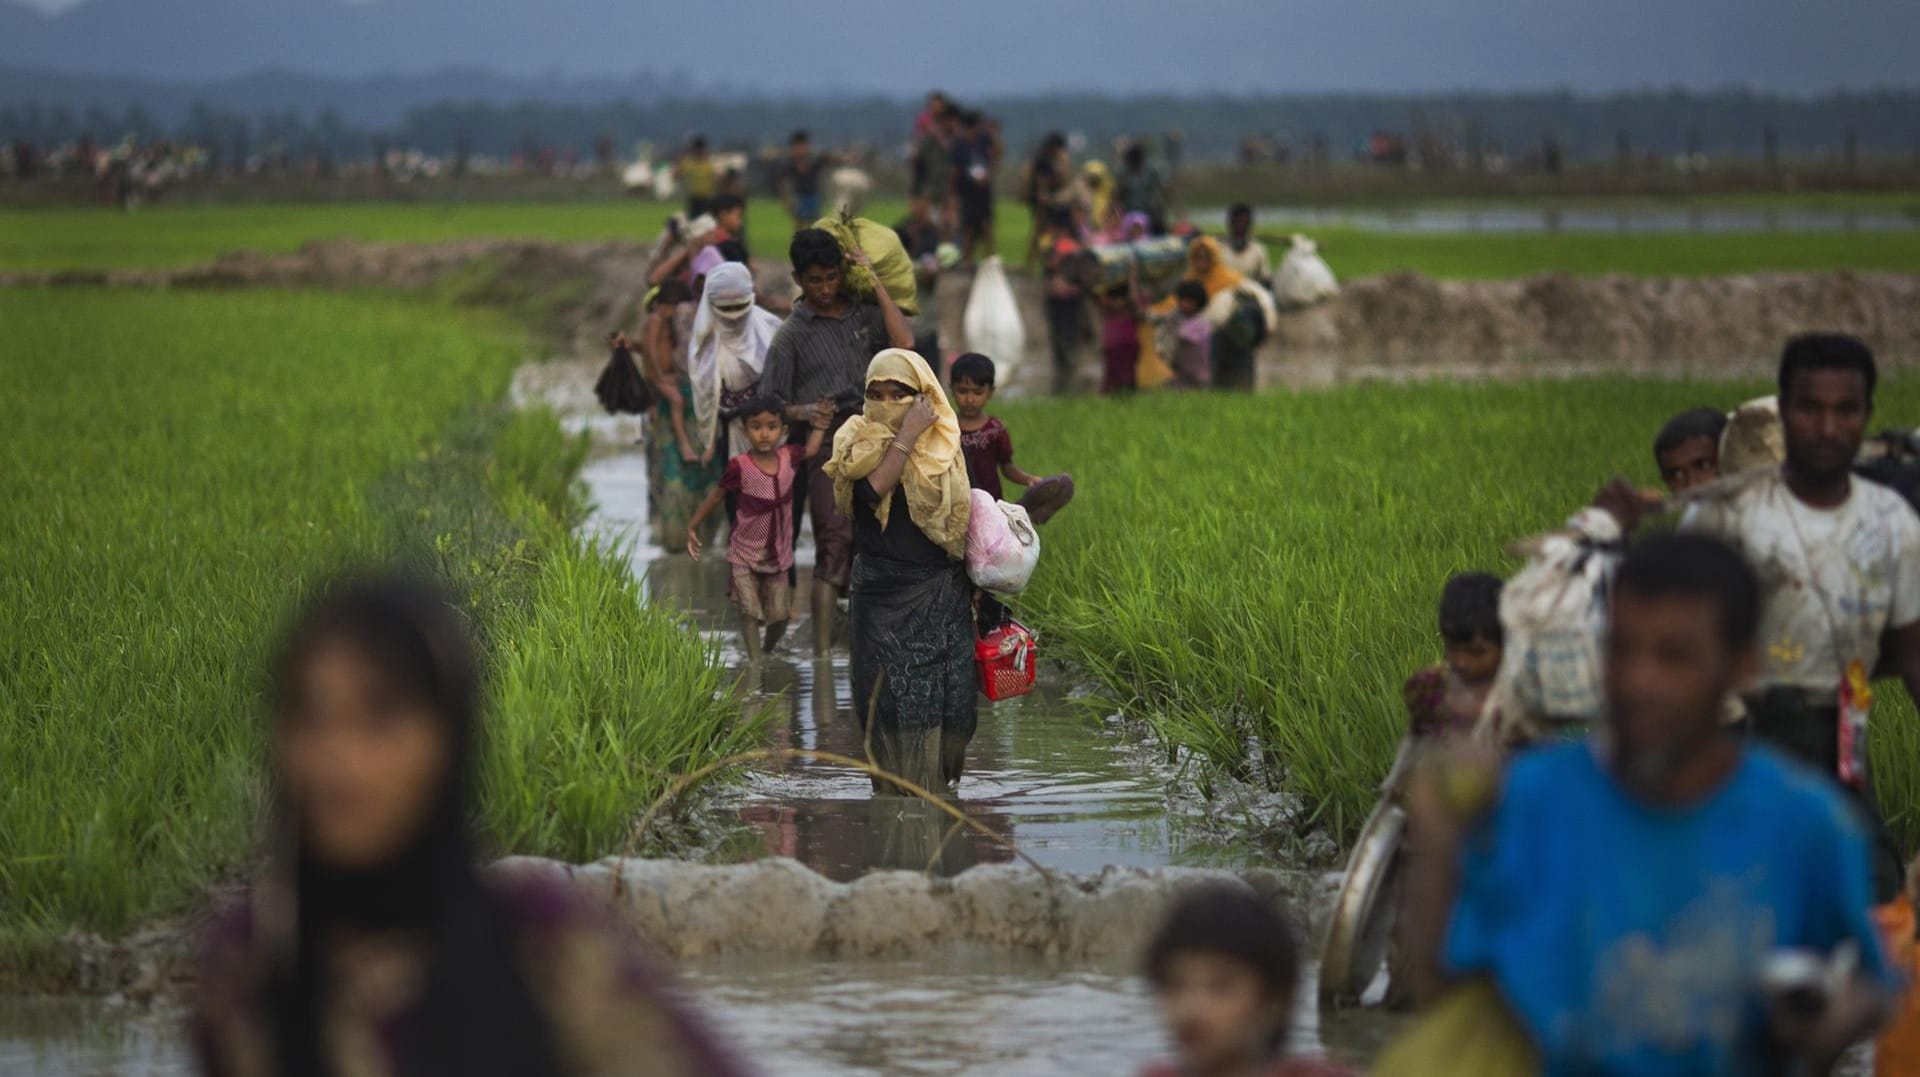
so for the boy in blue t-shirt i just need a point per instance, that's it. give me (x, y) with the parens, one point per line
(1625, 896)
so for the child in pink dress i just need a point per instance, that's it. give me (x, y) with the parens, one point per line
(1120, 308)
(1193, 335)
(760, 549)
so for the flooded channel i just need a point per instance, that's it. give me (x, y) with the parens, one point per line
(1041, 773)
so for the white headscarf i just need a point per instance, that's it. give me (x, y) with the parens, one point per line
(729, 346)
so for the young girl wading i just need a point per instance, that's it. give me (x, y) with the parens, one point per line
(897, 469)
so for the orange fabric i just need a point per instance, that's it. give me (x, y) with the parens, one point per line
(1151, 371)
(1217, 279)
(1897, 1053)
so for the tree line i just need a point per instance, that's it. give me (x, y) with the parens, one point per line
(1733, 123)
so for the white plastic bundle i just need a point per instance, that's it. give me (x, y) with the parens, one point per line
(992, 320)
(1003, 546)
(1554, 616)
(1754, 438)
(1304, 277)
(850, 187)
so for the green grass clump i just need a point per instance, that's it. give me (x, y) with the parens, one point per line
(1256, 576)
(179, 470)
(185, 235)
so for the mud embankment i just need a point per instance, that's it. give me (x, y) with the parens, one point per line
(695, 910)
(1400, 325)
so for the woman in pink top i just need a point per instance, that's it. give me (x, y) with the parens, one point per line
(760, 549)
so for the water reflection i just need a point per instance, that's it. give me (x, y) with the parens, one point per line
(84, 1037)
(1039, 771)
(999, 1014)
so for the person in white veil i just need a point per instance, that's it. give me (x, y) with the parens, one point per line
(729, 347)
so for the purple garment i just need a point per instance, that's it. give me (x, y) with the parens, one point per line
(705, 261)
(606, 1001)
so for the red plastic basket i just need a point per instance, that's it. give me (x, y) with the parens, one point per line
(1006, 658)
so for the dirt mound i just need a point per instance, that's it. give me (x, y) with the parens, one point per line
(697, 910)
(1605, 322)
(1398, 325)
(1405, 325)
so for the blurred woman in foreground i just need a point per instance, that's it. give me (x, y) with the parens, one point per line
(373, 945)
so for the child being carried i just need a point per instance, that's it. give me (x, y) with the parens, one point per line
(760, 549)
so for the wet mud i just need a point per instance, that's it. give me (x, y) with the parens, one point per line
(1395, 326)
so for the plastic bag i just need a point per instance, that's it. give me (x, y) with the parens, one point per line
(1754, 438)
(621, 388)
(891, 267)
(1003, 546)
(1554, 613)
(992, 320)
(850, 187)
(1304, 277)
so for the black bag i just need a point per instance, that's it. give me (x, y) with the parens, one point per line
(1247, 328)
(621, 387)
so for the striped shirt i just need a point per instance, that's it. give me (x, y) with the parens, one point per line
(813, 357)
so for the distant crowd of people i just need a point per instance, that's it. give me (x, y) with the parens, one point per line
(127, 172)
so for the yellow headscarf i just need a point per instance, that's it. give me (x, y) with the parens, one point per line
(1217, 279)
(939, 497)
(1099, 184)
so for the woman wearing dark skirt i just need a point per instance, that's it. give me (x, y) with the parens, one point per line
(898, 471)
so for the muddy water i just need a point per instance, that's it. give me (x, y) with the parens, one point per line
(69, 1038)
(999, 1015)
(1041, 774)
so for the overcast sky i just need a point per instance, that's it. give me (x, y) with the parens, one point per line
(1008, 46)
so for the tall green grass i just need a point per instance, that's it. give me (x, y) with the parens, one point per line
(185, 235)
(1256, 576)
(179, 470)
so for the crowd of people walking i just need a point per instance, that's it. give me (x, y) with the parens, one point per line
(1686, 871)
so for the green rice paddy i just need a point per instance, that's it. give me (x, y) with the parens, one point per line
(1256, 576)
(179, 470)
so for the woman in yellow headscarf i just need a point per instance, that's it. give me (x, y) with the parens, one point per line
(1241, 313)
(898, 472)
